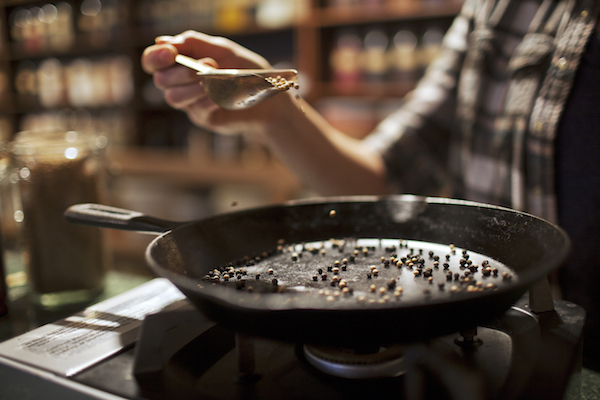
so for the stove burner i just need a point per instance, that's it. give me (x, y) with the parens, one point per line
(379, 362)
(517, 356)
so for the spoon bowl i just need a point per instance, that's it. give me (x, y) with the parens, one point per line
(238, 89)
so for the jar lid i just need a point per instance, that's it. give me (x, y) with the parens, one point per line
(56, 144)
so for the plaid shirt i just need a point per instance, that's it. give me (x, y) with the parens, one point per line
(481, 123)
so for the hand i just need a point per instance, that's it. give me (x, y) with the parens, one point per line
(181, 85)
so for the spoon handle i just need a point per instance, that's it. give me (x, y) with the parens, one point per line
(192, 63)
(205, 70)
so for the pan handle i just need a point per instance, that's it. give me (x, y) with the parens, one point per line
(117, 218)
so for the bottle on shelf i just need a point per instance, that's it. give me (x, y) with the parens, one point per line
(403, 57)
(373, 56)
(344, 60)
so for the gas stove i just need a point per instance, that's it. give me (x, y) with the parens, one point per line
(179, 354)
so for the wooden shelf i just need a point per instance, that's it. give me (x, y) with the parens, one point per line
(401, 10)
(84, 44)
(177, 166)
(367, 90)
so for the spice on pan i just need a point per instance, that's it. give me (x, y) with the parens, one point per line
(309, 274)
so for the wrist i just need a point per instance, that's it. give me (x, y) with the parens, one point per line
(283, 112)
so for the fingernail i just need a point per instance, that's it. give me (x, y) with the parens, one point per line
(169, 39)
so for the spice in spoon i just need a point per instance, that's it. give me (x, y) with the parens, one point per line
(281, 83)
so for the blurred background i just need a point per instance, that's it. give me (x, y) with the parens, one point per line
(75, 64)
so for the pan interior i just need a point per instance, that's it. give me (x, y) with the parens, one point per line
(365, 271)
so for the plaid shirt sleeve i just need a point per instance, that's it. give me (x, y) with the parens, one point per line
(481, 123)
(414, 140)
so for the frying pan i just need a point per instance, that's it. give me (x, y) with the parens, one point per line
(184, 252)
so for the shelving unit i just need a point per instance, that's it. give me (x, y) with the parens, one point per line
(140, 126)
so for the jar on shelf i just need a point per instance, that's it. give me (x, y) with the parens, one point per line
(373, 58)
(344, 59)
(403, 56)
(50, 171)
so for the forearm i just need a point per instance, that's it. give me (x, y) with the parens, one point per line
(326, 159)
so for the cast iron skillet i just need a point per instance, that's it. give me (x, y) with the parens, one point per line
(185, 252)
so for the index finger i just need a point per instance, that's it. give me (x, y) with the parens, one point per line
(197, 44)
(227, 53)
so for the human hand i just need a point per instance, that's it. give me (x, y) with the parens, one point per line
(181, 85)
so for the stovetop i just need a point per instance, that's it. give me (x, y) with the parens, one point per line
(180, 354)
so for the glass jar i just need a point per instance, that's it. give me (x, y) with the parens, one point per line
(50, 171)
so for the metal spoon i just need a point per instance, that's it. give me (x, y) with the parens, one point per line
(237, 89)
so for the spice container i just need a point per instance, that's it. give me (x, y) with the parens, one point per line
(344, 60)
(50, 171)
(403, 56)
(373, 56)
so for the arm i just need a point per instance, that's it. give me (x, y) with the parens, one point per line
(324, 158)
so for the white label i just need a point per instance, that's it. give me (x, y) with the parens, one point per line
(72, 344)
